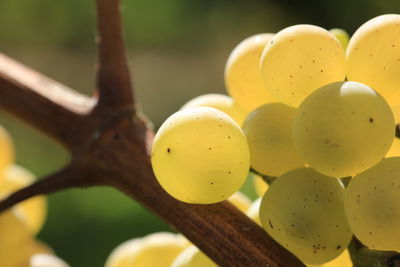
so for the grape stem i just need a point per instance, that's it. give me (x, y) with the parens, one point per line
(362, 256)
(109, 141)
(268, 179)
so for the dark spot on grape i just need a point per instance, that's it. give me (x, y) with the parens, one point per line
(292, 225)
(229, 137)
(270, 224)
(322, 71)
(337, 225)
(339, 247)
(371, 120)
(168, 150)
(211, 183)
(229, 172)
(209, 148)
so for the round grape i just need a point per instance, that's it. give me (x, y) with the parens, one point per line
(193, 257)
(299, 60)
(373, 56)
(200, 155)
(268, 130)
(372, 205)
(303, 211)
(242, 73)
(343, 128)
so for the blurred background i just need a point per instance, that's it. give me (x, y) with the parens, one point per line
(177, 50)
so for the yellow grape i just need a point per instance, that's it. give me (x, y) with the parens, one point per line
(200, 155)
(372, 204)
(343, 260)
(268, 130)
(46, 260)
(7, 155)
(300, 59)
(254, 211)
(32, 211)
(342, 36)
(15, 239)
(394, 150)
(240, 201)
(343, 128)
(193, 257)
(223, 103)
(373, 56)
(303, 211)
(154, 250)
(259, 184)
(242, 73)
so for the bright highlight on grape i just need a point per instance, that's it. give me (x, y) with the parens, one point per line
(300, 59)
(343, 128)
(303, 211)
(200, 155)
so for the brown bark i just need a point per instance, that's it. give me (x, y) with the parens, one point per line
(109, 143)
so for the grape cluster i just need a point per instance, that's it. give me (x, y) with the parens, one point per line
(307, 107)
(18, 226)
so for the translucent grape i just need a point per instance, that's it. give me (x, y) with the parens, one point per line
(32, 211)
(372, 204)
(394, 150)
(14, 241)
(7, 155)
(223, 103)
(200, 155)
(254, 211)
(303, 211)
(260, 185)
(299, 60)
(268, 130)
(240, 201)
(342, 36)
(154, 250)
(343, 128)
(193, 257)
(242, 73)
(372, 56)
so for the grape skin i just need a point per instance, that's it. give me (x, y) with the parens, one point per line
(342, 36)
(372, 205)
(200, 155)
(372, 56)
(303, 211)
(7, 155)
(268, 130)
(300, 59)
(242, 73)
(343, 128)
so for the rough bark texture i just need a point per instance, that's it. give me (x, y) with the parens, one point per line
(109, 143)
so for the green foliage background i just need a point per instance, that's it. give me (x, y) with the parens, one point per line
(177, 50)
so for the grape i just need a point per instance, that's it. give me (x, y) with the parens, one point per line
(193, 257)
(242, 73)
(7, 155)
(303, 211)
(254, 211)
(342, 36)
(259, 184)
(268, 130)
(223, 103)
(46, 260)
(32, 211)
(343, 128)
(299, 60)
(154, 250)
(240, 201)
(200, 155)
(343, 260)
(372, 56)
(372, 205)
(394, 150)
(14, 239)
